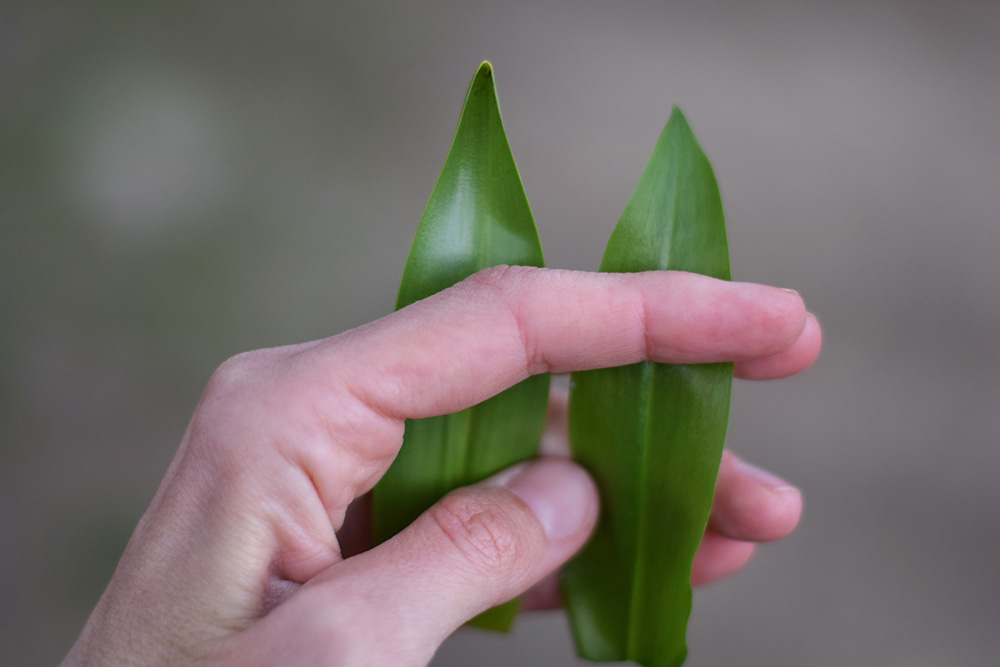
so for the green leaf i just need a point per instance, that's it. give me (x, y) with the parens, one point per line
(651, 434)
(478, 216)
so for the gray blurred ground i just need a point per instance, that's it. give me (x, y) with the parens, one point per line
(180, 182)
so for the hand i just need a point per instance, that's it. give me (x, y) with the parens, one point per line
(238, 560)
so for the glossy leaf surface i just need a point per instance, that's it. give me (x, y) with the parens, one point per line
(651, 434)
(477, 217)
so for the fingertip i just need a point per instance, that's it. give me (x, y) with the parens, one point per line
(781, 316)
(777, 516)
(752, 504)
(795, 358)
(561, 495)
(706, 319)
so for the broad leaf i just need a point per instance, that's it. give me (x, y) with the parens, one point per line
(477, 217)
(651, 434)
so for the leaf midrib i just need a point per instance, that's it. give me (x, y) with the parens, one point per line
(649, 370)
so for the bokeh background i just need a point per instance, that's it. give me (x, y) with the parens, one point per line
(183, 181)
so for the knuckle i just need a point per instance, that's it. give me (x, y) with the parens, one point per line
(483, 534)
(235, 373)
(502, 285)
(233, 392)
(498, 278)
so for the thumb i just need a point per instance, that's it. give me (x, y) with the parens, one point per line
(476, 548)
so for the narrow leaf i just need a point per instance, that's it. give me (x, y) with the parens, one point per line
(477, 217)
(651, 434)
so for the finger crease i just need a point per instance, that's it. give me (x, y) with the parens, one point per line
(647, 335)
(534, 358)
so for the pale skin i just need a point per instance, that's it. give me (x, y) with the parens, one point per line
(239, 558)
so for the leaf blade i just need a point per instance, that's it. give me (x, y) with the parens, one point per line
(628, 592)
(477, 217)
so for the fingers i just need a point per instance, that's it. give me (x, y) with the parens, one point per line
(718, 557)
(792, 360)
(752, 504)
(329, 415)
(473, 340)
(465, 344)
(477, 548)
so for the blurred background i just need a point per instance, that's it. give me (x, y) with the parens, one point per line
(183, 181)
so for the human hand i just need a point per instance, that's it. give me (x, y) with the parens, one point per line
(238, 561)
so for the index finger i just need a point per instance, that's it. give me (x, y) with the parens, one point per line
(494, 329)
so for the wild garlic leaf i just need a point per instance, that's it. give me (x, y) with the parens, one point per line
(477, 217)
(651, 434)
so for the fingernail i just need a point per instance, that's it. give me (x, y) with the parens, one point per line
(790, 291)
(557, 491)
(769, 480)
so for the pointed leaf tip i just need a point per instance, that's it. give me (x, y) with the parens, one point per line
(677, 120)
(483, 82)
